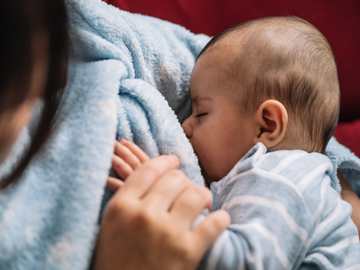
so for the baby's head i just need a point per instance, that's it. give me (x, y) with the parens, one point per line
(272, 80)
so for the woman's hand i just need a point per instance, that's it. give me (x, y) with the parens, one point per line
(146, 224)
(349, 195)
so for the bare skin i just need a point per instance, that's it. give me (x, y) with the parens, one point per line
(349, 195)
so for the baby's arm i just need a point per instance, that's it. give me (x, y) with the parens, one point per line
(269, 226)
(126, 159)
(272, 226)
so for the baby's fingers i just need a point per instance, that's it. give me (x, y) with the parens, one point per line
(127, 155)
(114, 184)
(136, 150)
(122, 168)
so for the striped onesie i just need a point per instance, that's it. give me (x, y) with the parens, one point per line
(284, 215)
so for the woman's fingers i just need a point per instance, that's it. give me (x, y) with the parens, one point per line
(135, 229)
(167, 189)
(141, 180)
(127, 155)
(136, 150)
(190, 204)
(205, 234)
(122, 168)
(114, 184)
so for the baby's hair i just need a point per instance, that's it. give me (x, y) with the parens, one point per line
(287, 59)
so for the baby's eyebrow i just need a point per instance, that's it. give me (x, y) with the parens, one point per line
(196, 99)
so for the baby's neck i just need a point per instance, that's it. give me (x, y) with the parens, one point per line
(293, 140)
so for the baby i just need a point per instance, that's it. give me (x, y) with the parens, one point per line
(265, 101)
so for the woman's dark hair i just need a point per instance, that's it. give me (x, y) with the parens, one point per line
(20, 20)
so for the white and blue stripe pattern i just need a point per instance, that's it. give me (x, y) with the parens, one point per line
(284, 216)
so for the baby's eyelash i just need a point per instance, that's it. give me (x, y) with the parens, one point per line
(200, 114)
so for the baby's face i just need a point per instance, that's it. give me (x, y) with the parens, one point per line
(218, 133)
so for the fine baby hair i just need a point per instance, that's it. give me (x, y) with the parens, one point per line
(289, 60)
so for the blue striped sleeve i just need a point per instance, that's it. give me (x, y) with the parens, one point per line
(278, 223)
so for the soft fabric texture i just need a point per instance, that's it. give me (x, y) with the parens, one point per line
(49, 219)
(284, 215)
(128, 77)
(347, 163)
(156, 61)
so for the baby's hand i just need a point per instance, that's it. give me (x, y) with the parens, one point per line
(126, 159)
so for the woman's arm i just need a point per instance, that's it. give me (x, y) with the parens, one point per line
(349, 195)
(146, 224)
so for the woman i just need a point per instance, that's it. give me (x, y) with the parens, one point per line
(143, 226)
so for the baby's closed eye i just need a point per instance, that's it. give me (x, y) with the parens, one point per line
(200, 114)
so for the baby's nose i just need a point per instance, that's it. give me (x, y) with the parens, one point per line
(186, 125)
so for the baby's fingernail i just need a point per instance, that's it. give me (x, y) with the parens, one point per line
(175, 158)
(123, 140)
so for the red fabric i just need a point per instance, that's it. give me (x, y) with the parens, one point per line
(348, 134)
(339, 21)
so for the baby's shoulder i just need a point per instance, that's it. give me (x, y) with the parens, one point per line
(280, 160)
(294, 164)
(285, 165)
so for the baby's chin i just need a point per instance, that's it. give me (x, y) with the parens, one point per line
(207, 177)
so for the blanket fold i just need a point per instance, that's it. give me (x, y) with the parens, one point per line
(122, 67)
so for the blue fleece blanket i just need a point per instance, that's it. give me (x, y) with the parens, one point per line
(128, 77)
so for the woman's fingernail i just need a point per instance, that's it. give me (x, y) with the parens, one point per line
(175, 158)
(123, 140)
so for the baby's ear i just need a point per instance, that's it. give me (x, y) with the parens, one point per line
(272, 121)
